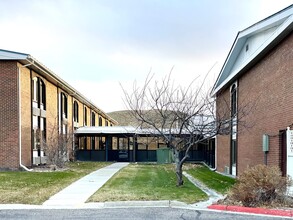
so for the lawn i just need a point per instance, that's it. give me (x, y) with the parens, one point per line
(146, 182)
(36, 187)
(213, 180)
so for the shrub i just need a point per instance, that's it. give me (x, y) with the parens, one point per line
(260, 186)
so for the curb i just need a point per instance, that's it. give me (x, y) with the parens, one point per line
(263, 211)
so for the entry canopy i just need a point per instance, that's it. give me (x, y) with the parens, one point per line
(116, 130)
(106, 130)
(124, 130)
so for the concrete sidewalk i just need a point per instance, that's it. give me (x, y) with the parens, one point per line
(78, 192)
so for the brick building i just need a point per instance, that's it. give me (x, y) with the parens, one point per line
(256, 86)
(34, 104)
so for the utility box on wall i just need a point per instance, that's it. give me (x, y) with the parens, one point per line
(265, 142)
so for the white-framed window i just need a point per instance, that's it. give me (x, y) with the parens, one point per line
(38, 93)
(75, 112)
(233, 93)
(93, 119)
(85, 116)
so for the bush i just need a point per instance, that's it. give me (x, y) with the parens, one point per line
(260, 186)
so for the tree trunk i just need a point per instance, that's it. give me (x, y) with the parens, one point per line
(178, 164)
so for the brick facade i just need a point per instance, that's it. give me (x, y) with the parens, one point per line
(268, 88)
(26, 124)
(223, 140)
(10, 94)
(9, 149)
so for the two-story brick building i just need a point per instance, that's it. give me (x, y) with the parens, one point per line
(34, 102)
(258, 72)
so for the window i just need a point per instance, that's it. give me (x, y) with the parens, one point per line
(42, 95)
(100, 121)
(75, 111)
(85, 117)
(233, 135)
(107, 123)
(63, 113)
(35, 92)
(93, 139)
(233, 101)
(93, 119)
(64, 105)
(39, 133)
(247, 47)
(38, 93)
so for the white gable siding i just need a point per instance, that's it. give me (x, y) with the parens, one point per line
(260, 38)
(254, 43)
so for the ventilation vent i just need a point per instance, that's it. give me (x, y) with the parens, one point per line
(227, 170)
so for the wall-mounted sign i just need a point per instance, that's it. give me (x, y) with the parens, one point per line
(289, 142)
(290, 157)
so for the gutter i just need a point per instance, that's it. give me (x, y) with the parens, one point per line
(65, 86)
(19, 120)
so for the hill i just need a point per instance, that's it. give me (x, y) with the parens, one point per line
(124, 118)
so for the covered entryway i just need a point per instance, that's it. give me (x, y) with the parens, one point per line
(129, 144)
(118, 143)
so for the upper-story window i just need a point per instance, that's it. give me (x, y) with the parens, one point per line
(63, 113)
(38, 93)
(93, 119)
(100, 121)
(107, 124)
(75, 111)
(233, 100)
(85, 117)
(64, 105)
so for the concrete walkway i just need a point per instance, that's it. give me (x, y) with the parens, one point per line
(213, 195)
(78, 192)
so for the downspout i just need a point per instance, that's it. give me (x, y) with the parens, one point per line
(19, 120)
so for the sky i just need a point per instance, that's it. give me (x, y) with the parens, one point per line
(98, 45)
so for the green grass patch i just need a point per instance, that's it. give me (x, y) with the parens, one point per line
(36, 187)
(213, 180)
(146, 182)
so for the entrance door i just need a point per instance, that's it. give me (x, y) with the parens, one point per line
(123, 149)
(283, 152)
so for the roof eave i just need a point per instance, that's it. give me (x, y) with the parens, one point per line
(283, 31)
(65, 86)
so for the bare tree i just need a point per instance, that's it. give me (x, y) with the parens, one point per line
(56, 145)
(182, 116)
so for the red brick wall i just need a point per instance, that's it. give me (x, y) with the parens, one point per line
(223, 140)
(268, 87)
(9, 150)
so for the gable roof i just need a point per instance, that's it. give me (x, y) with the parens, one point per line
(252, 43)
(37, 66)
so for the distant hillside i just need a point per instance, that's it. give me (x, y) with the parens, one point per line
(124, 118)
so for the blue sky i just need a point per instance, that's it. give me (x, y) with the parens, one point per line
(96, 44)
